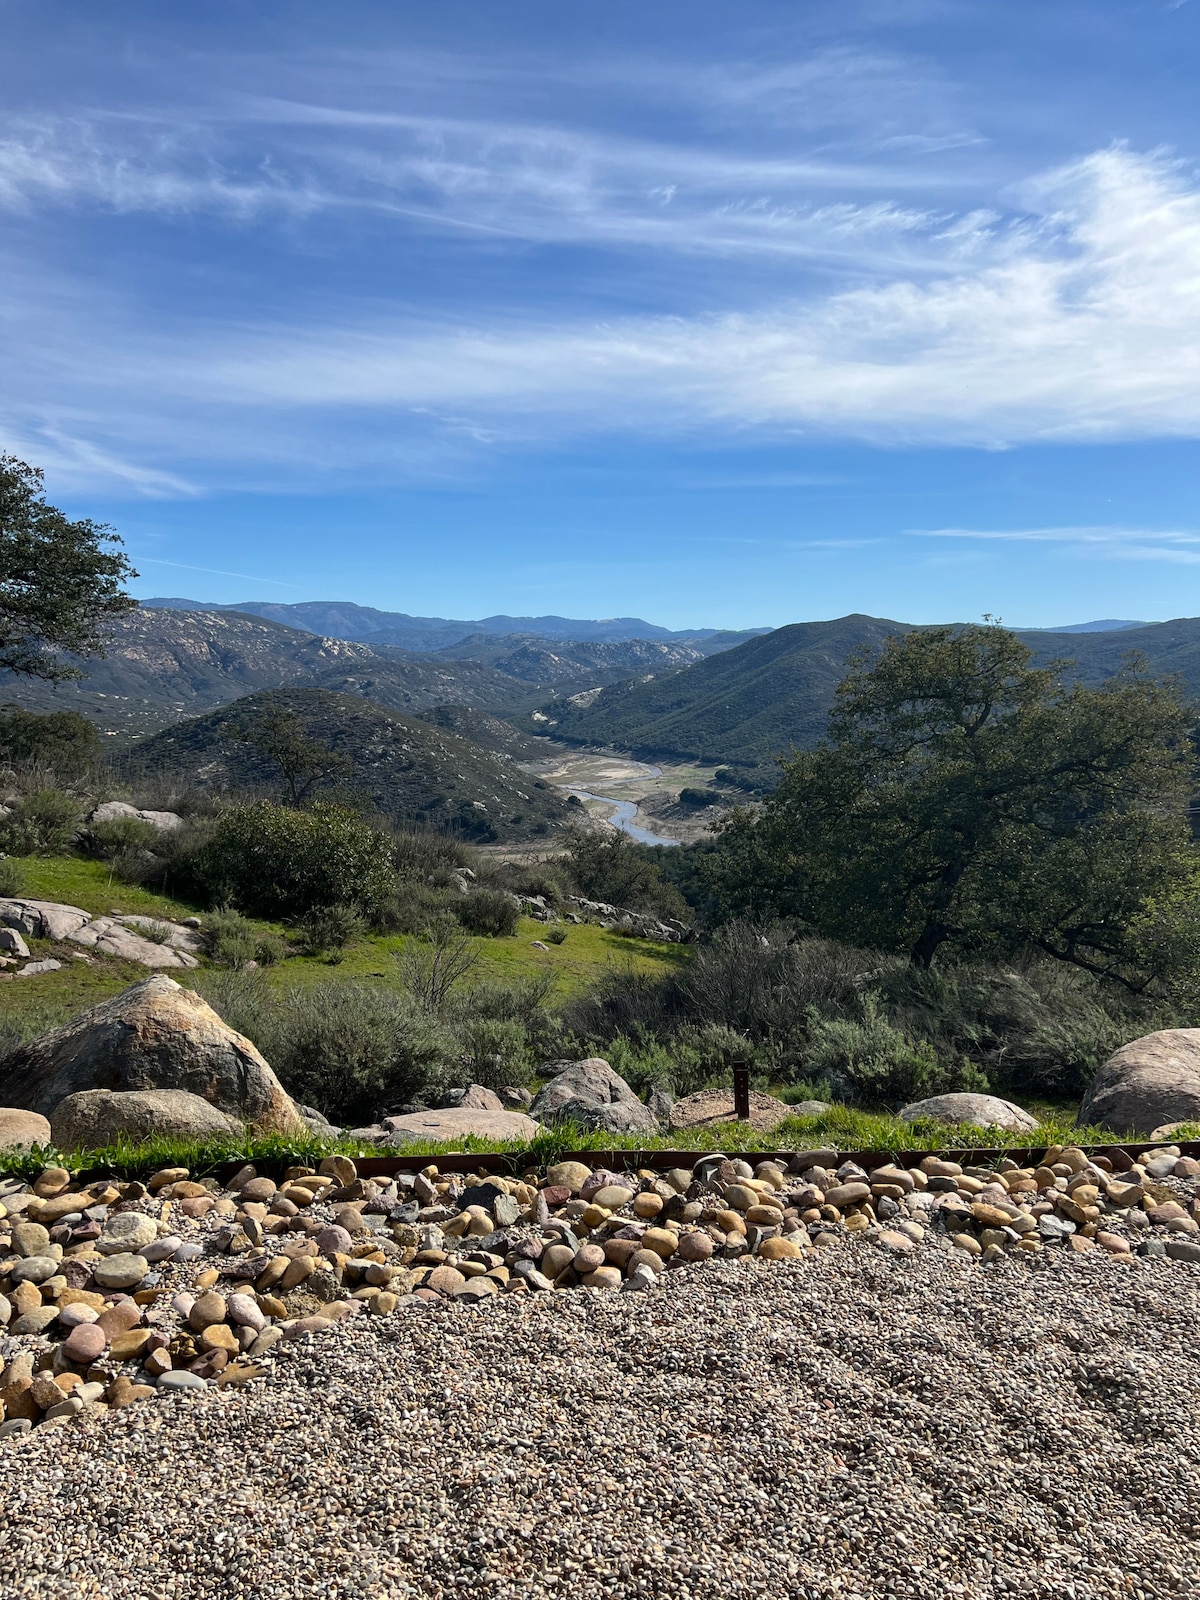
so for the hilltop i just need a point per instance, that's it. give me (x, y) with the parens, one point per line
(754, 703)
(410, 770)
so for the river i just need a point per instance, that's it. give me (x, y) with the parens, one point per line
(623, 816)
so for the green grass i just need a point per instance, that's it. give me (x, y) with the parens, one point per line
(90, 885)
(840, 1127)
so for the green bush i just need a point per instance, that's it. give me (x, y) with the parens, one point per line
(62, 741)
(494, 1052)
(120, 837)
(12, 879)
(274, 861)
(42, 823)
(327, 928)
(488, 912)
(556, 935)
(233, 940)
(866, 1061)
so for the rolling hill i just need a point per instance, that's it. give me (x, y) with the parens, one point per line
(409, 769)
(162, 665)
(752, 704)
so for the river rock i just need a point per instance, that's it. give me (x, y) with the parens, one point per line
(155, 1035)
(1148, 1082)
(124, 1271)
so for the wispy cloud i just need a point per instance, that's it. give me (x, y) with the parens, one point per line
(1120, 544)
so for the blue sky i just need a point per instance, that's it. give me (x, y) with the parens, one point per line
(718, 315)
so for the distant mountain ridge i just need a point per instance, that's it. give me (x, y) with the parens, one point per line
(771, 695)
(343, 619)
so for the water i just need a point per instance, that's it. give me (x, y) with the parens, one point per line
(622, 816)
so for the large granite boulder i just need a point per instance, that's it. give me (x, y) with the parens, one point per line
(42, 919)
(1148, 1082)
(473, 1098)
(712, 1106)
(19, 1130)
(147, 940)
(112, 810)
(459, 1124)
(155, 1035)
(94, 1118)
(979, 1110)
(590, 1093)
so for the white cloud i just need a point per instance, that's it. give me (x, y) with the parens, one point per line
(1076, 319)
(1117, 543)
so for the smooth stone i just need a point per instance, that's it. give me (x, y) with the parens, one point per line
(778, 1248)
(85, 1344)
(127, 1232)
(177, 1382)
(120, 1271)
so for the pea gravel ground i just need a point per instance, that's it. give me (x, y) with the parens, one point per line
(853, 1426)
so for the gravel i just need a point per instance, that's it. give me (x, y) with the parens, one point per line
(855, 1425)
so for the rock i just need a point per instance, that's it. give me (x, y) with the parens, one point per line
(590, 1093)
(34, 969)
(473, 1098)
(21, 1130)
(93, 1118)
(112, 936)
(182, 1382)
(460, 1124)
(569, 1175)
(716, 1105)
(1182, 1249)
(127, 1231)
(979, 1110)
(42, 919)
(154, 1035)
(847, 1194)
(120, 1272)
(1148, 1082)
(11, 943)
(777, 1248)
(84, 1344)
(164, 821)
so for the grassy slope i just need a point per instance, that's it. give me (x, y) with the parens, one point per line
(588, 950)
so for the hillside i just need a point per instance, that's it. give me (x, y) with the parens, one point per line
(162, 665)
(572, 664)
(770, 695)
(489, 733)
(409, 769)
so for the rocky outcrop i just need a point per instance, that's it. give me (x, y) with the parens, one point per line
(94, 1118)
(111, 810)
(42, 919)
(640, 924)
(980, 1110)
(154, 1035)
(19, 1130)
(1146, 1083)
(459, 1124)
(716, 1105)
(146, 940)
(590, 1093)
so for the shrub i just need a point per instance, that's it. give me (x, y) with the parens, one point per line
(62, 741)
(120, 837)
(494, 1052)
(233, 940)
(12, 879)
(42, 823)
(557, 935)
(434, 966)
(869, 1062)
(488, 912)
(326, 928)
(278, 862)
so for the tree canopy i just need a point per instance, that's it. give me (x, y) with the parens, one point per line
(965, 800)
(60, 580)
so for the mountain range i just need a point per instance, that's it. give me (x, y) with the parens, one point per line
(758, 701)
(343, 619)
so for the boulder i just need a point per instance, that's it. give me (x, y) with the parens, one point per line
(97, 1117)
(716, 1105)
(459, 1124)
(590, 1093)
(21, 1129)
(980, 1110)
(1148, 1082)
(155, 1035)
(473, 1098)
(164, 821)
(42, 919)
(12, 944)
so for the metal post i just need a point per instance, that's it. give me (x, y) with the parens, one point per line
(741, 1093)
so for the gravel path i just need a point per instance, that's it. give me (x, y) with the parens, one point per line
(853, 1426)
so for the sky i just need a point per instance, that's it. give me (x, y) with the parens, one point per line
(722, 316)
